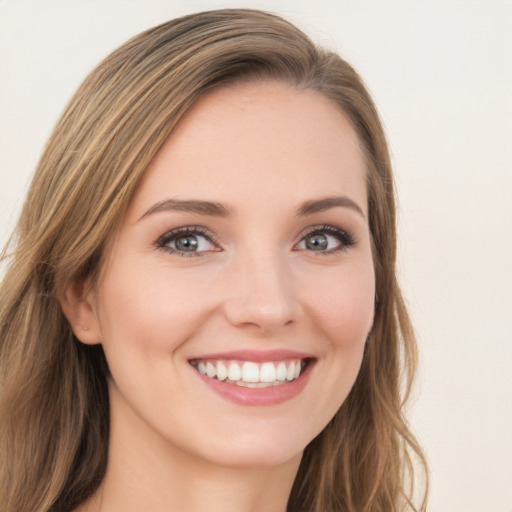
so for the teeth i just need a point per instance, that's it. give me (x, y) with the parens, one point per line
(222, 371)
(290, 372)
(211, 371)
(281, 372)
(249, 373)
(234, 372)
(267, 372)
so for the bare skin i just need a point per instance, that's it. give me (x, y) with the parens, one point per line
(138, 476)
(282, 266)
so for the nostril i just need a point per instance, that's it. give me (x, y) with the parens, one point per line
(255, 312)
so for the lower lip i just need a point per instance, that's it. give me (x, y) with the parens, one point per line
(271, 395)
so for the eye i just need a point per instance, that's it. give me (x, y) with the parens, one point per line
(187, 241)
(327, 239)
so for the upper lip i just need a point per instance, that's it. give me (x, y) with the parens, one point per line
(255, 355)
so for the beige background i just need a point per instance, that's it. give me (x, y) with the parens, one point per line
(441, 74)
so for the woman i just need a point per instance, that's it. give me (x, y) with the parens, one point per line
(201, 309)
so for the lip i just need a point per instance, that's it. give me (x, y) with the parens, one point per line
(256, 356)
(261, 397)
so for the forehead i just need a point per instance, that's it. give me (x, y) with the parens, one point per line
(268, 139)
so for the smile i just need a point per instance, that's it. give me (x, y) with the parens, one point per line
(249, 373)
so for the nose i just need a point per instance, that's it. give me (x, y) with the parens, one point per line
(261, 294)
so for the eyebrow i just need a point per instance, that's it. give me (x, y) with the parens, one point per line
(326, 203)
(215, 209)
(208, 208)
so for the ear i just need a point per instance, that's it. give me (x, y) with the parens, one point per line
(78, 305)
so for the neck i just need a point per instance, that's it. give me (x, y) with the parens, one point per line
(188, 488)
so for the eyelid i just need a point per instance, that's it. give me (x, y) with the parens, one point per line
(172, 234)
(345, 238)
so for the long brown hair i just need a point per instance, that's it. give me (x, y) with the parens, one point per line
(54, 405)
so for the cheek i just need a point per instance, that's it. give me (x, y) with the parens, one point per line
(153, 309)
(343, 305)
(341, 308)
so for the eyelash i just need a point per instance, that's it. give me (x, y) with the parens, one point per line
(345, 239)
(170, 236)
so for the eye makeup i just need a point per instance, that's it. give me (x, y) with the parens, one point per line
(193, 241)
(188, 241)
(321, 236)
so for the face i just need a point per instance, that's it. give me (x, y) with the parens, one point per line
(237, 296)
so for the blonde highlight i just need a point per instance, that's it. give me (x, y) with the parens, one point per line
(54, 406)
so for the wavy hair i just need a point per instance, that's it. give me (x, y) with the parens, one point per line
(54, 403)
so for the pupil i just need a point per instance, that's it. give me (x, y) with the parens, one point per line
(316, 242)
(186, 243)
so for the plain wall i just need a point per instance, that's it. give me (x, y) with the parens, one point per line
(441, 75)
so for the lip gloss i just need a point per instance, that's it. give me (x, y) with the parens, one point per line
(266, 396)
